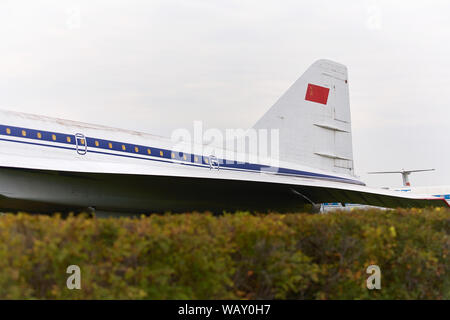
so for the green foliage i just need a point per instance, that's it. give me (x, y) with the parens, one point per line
(234, 256)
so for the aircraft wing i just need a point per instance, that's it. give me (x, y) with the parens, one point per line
(197, 184)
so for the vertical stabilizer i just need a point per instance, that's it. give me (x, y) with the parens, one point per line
(313, 118)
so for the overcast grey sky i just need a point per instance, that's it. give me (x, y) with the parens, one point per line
(155, 66)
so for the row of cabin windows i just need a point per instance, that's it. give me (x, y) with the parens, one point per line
(97, 144)
(39, 135)
(124, 148)
(185, 157)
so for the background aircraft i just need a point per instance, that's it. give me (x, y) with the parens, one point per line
(49, 165)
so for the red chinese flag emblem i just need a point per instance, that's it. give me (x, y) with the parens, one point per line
(317, 94)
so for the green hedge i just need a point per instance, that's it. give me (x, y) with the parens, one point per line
(234, 256)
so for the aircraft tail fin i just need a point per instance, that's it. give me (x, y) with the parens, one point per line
(313, 119)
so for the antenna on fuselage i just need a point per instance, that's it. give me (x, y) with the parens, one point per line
(405, 174)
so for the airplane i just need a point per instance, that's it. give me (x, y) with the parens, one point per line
(54, 165)
(405, 174)
(436, 191)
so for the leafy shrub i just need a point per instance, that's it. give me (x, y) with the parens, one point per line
(234, 256)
